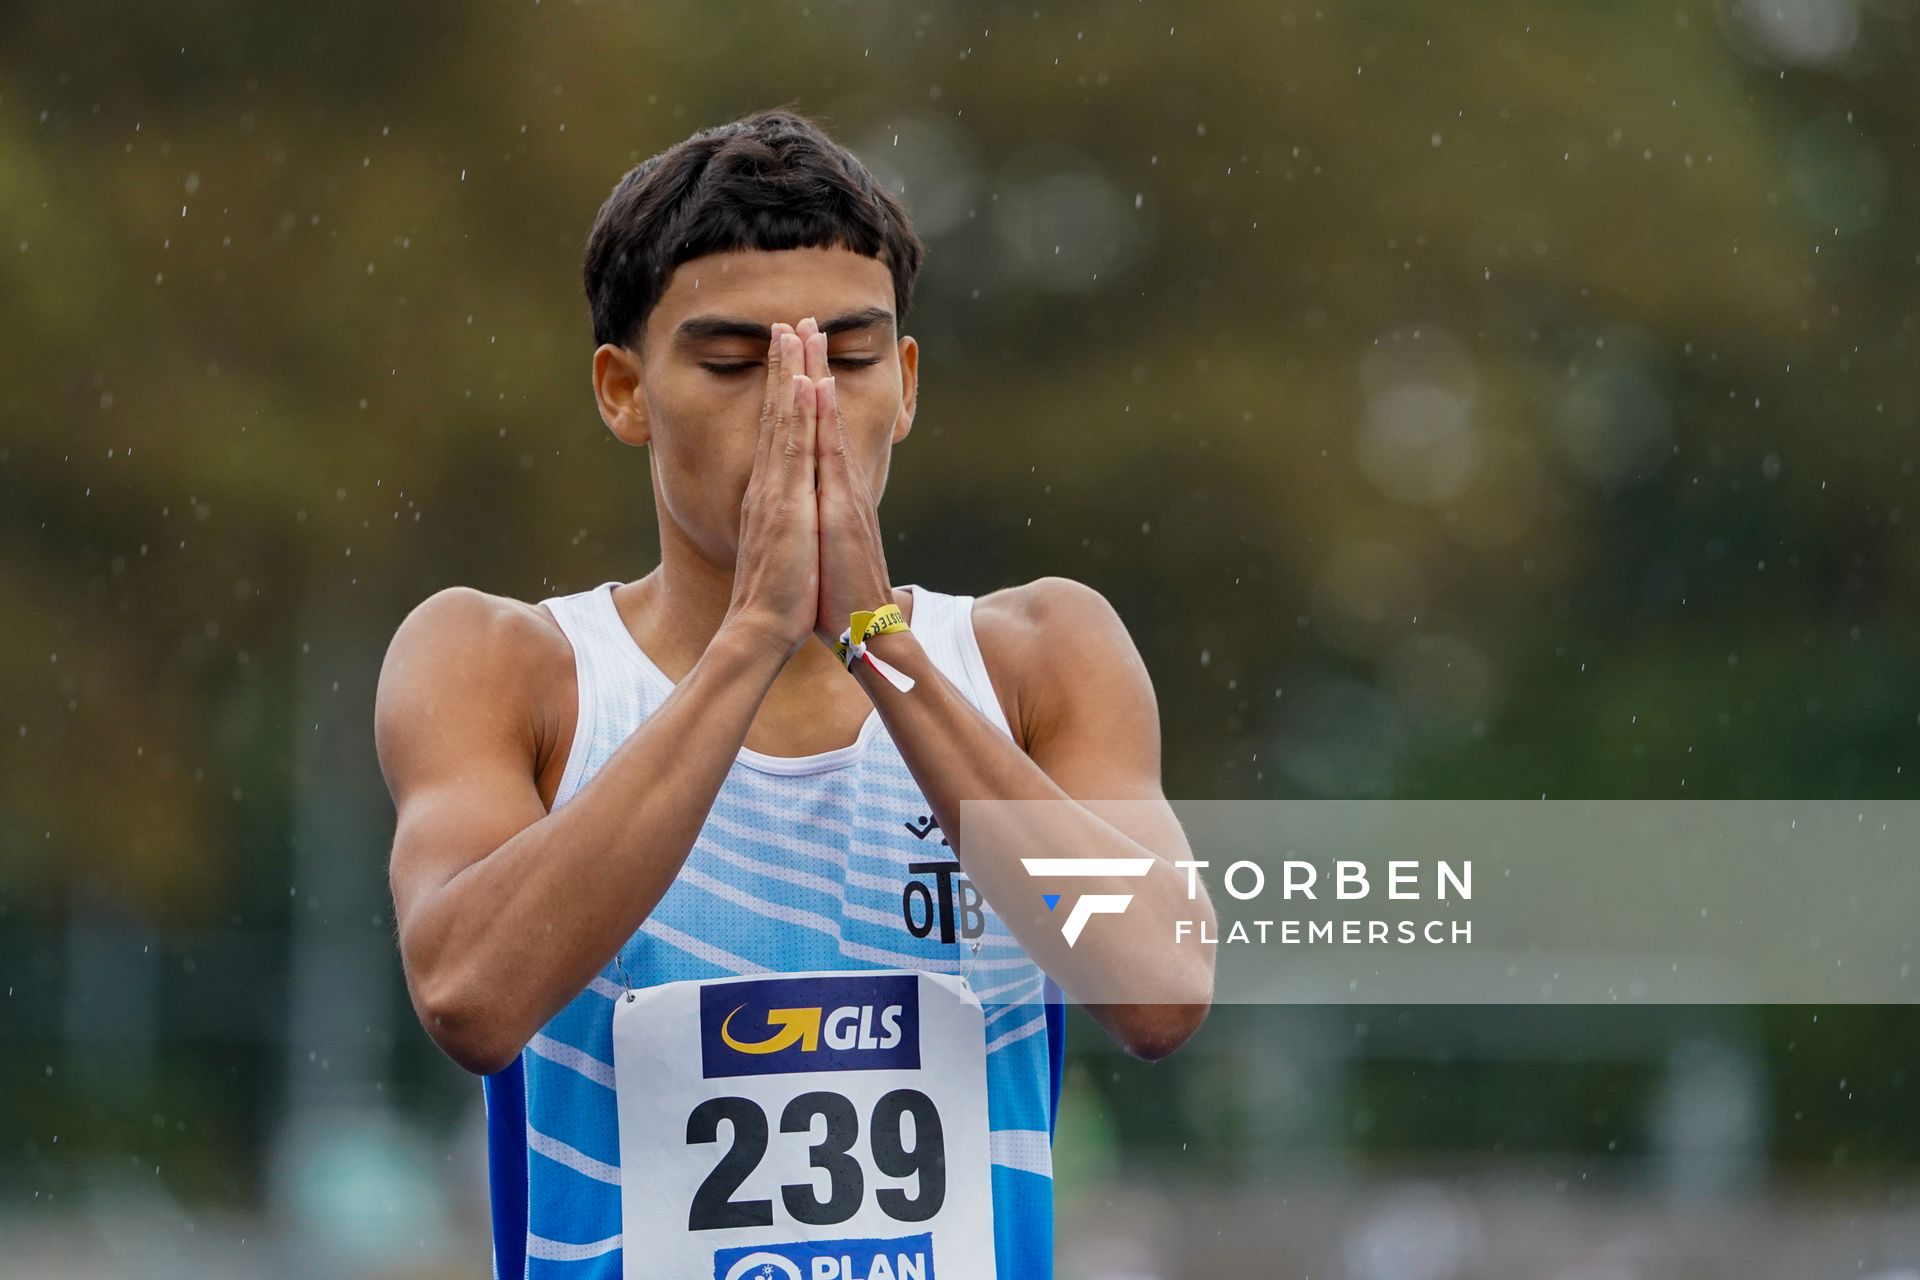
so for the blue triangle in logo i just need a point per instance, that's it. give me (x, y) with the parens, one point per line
(1051, 899)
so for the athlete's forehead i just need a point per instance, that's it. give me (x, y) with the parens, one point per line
(701, 327)
(740, 295)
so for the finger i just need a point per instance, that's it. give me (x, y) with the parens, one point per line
(816, 352)
(801, 431)
(772, 426)
(833, 441)
(784, 394)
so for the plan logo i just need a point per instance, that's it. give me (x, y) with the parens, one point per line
(903, 1258)
(1087, 905)
(773, 1026)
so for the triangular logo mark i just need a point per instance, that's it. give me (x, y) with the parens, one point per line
(1051, 899)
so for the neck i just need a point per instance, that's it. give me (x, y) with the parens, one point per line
(675, 610)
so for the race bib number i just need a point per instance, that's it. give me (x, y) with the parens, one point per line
(813, 1126)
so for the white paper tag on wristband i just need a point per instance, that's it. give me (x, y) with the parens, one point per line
(802, 1125)
(895, 676)
(853, 653)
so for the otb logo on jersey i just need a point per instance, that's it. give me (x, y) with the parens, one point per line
(773, 1026)
(1087, 905)
(902, 1258)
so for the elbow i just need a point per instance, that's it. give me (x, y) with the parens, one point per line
(1152, 1032)
(472, 1044)
(466, 1027)
(480, 1057)
(1181, 998)
(1167, 1004)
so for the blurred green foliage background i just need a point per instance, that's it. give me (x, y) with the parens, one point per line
(1469, 400)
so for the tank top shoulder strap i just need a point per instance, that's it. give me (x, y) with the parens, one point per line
(944, 625)
(569, 611)
(579, 617)
(613, 689)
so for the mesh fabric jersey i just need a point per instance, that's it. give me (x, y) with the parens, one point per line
(801, 865)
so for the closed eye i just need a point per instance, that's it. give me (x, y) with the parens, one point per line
(727, 370)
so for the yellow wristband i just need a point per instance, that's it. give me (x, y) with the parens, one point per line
(864, 624)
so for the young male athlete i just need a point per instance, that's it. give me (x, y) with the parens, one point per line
(678, 863)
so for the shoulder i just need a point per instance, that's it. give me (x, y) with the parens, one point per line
(464, 658)
(477, 632)
(1054, 640)
(1034, 613)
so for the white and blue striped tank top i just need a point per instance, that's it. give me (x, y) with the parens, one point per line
(827, 861)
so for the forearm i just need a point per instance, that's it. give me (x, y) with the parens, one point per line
(955, 753)
(503, 945)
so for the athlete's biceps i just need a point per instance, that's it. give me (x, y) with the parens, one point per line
(445, 825)
(1101, 739)
(1103, 745)
(458, 762)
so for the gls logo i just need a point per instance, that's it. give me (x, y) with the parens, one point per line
(1089, 905)
(848, 1027)
(773, 1026)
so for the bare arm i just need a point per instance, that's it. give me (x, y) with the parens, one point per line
(506, 912)
(1092, 738)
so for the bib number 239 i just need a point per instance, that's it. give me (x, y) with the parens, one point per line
(907, 1142)
(822, 1126)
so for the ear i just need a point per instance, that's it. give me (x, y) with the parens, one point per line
(618, 388)
(909, 387)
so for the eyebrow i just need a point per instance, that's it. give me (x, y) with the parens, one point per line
(697, 328)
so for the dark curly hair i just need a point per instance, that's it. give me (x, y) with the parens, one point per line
(769, 180)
